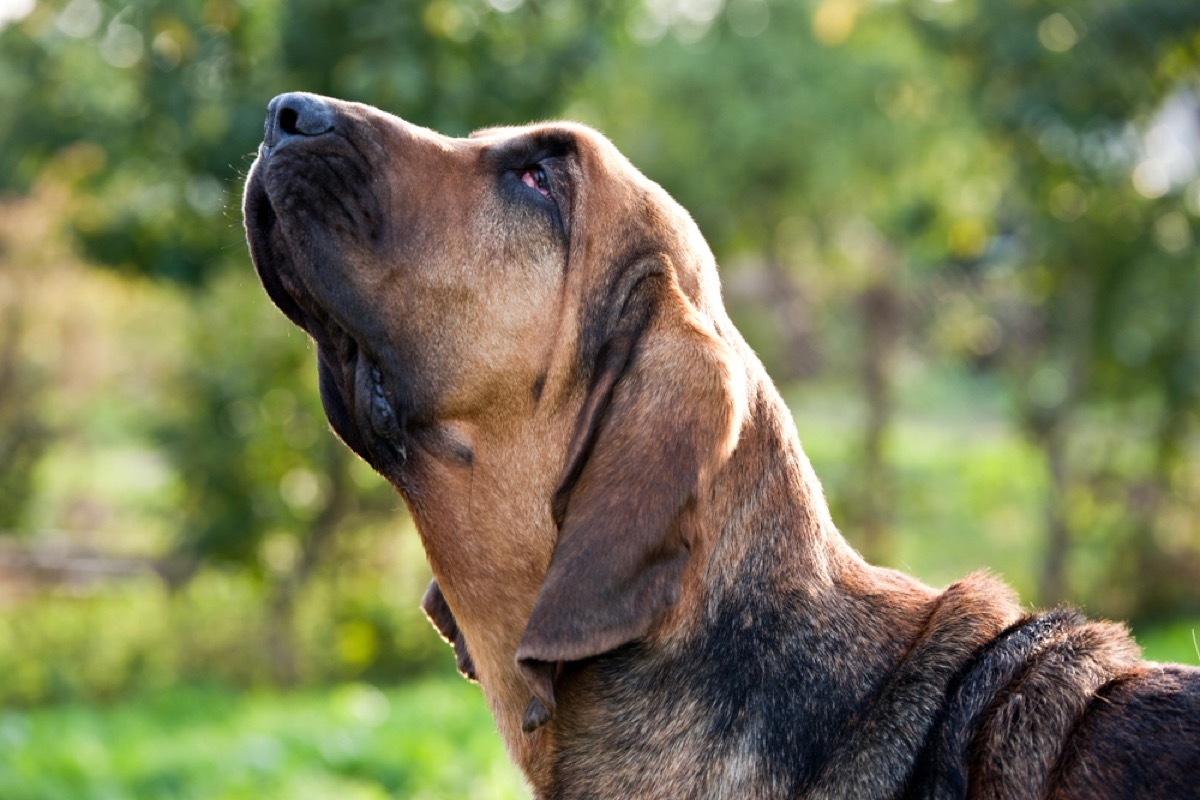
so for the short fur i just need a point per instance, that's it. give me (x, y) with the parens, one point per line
(631, 553)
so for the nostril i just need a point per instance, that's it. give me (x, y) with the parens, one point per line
(288, 119)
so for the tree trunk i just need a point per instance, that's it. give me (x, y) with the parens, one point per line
(281, 632)
(880, 311)
(1052, 588)
(1052, 407)
(1164, 577)
(794, 320)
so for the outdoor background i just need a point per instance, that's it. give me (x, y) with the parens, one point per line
(961, 234)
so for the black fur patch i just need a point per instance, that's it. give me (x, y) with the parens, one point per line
(759, 668)
(942, 769)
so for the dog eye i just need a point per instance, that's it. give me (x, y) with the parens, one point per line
(535, 178)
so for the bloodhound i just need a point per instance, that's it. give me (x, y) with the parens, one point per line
(631, 553)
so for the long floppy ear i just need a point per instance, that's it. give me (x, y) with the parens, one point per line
(660, 416)
(438, 612)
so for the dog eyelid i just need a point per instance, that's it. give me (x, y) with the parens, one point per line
(535, 178)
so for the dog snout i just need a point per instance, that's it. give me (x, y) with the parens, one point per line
(296, 114)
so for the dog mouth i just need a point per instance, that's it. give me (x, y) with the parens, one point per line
(357, 400)
(365, 405)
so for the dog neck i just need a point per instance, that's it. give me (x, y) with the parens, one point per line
(485, 524)
(775, 673)
(763, 546)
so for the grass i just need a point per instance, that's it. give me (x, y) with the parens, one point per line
(1177, 641)
(428, 740)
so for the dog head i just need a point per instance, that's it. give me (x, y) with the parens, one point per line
(457, 289)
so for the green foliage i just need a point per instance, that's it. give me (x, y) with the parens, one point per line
(970, 493)
(804, 129)
(159, 104)
(137, 639)
(246, 431)
(448, 64)
(433, 739)
(24, 435)
(142, 124)
(1177, 642)
(1106, 255)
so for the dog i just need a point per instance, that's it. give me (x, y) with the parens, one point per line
(631, 553)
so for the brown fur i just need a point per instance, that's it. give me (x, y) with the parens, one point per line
(631, 553)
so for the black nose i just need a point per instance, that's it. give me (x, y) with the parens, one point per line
(296, 114)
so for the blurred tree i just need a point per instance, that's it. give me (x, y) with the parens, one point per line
(265, 487)
(145, 98)
(27, 424)
(160, 100)
(829, 160)
(453, 65)
(25, 434)
(154, 103)
(1110, 279)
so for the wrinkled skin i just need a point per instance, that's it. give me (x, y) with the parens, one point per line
(631, 553)
(459, 305)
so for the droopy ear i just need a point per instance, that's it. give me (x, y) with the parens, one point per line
(659, 418)
(435, 608)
